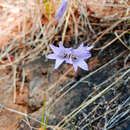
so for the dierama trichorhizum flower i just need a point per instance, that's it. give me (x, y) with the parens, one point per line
(76, 57)
(79, 55)
(60, 54)
(61, 10)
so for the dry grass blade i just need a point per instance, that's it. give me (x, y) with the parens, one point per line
(121, 41)
(66, 24)
(116, 117)
(107, 30)
(77, 83)
(23, 114)
(112, 41)
(14, 82)
(84, 105)
(27, 28)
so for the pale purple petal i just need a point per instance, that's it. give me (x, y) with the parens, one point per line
(61, 10)
(79, 49)
(86, 55)
(82, 52)
(66, 50)
(51, 56)
(63, 51)
(74, 63)
(88, 48)
(82, 64)
(75, 67)
(82, 48)
(81, 45)
(54, 48)
(58, 62)
(67, 60)
(61, 45)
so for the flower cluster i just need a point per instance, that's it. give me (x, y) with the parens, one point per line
(76, 57)
(61, 10)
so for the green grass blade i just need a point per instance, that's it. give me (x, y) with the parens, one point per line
(43, 115)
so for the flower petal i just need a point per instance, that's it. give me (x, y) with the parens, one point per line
(82, 64)
(82, 52)
(88, 48)
(61, 47)
(67, 50)
(51, 56)
(61, 10)
(81, 45)
(58, 62)
(85, 56)
(70, 61)
(54, 48)
(67, 60)
(61, 44)
(75, 67)
(79, 49)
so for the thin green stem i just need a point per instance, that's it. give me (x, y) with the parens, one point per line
(43, 114)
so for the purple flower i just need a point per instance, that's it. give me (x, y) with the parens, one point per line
(79, 55)
(60, 54)
(76, 57)
(61, 10)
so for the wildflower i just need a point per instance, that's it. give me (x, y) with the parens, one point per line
(60, 54)
(61, 10)
(76, 57)
(79, 55)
